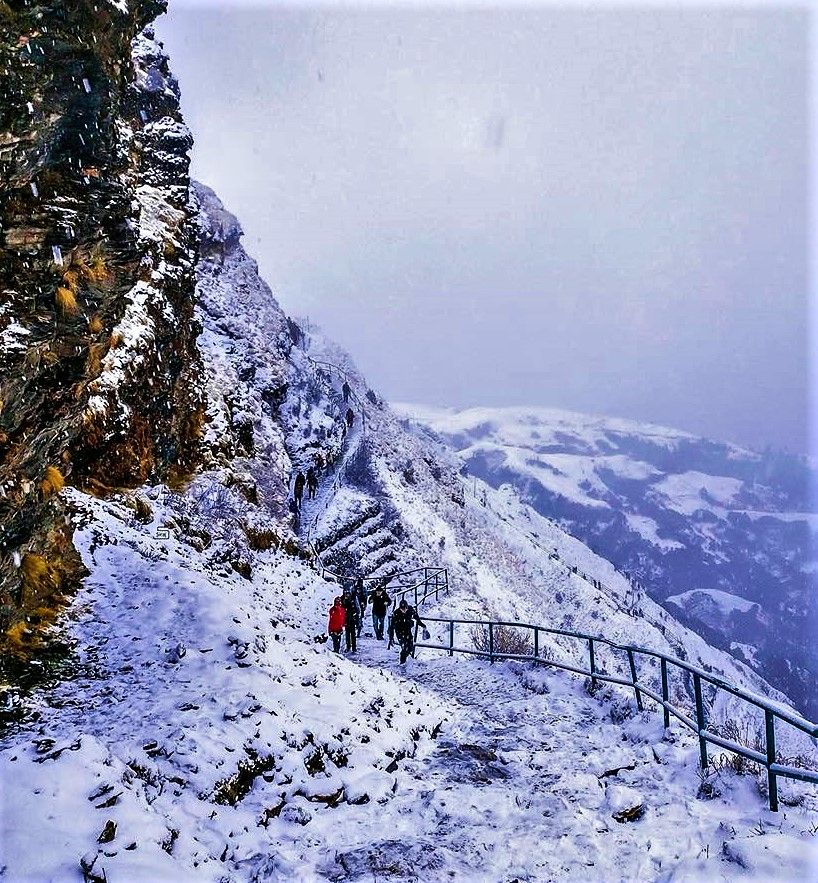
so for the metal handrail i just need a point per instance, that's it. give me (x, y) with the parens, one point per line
(772, 711)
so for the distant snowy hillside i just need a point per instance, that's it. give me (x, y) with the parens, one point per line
(677, 512)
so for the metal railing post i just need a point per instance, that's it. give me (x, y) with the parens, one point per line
(633, 679)
(772, 780)
(451, 637)
(536, 642)
(665, 691)
(491, 642)
(701, 723)
(593, 662)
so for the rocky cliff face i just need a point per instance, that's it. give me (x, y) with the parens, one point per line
(97, 335)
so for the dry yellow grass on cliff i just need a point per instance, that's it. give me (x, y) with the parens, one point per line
(52, 482)
(66, 302)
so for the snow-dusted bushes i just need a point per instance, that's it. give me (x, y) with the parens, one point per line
(504, 640)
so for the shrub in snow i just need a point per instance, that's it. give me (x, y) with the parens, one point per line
(231, 790)
(93, 362)
(38, 575)
(535, 678)
(66, 302)
(707, 787)
(622, 710)
(505, 640)
(261, 536)
(745, 734)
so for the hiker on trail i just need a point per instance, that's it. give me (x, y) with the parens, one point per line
(312, 483)
(353, 613)
(402, 625)
(346, 390)
(360, 594)
(298, 490)
(337, 621)
(380, 604)
(350, 417)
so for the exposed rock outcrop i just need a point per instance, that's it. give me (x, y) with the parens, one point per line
(98, 361)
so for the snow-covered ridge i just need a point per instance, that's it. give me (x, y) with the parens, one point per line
(724, 600)
(675, 511)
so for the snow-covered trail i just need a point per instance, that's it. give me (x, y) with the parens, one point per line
(312, 511)
(523, 782)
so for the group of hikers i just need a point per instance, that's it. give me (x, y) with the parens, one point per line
(309, 480)
(346, 616)
(346, 619)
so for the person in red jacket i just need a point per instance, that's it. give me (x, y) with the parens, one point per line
(337, 621)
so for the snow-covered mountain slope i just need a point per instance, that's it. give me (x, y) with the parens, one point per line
(188, 725)
(206, 725)
(203, 735)
(199, 732)
(679, 513)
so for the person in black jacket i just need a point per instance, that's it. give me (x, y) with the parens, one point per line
(298, 489)
(353, 615)
(312, 483)
(403, 624)
(380, 604)
(346, 390)
(360, 594)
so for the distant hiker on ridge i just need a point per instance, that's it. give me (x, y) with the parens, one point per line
(350, 417)
(337, 621)
(298, 489)
(402, 625)
(312, 483)
(380, 604)
(346, 390)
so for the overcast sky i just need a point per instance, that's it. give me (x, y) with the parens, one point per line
(602, 209)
